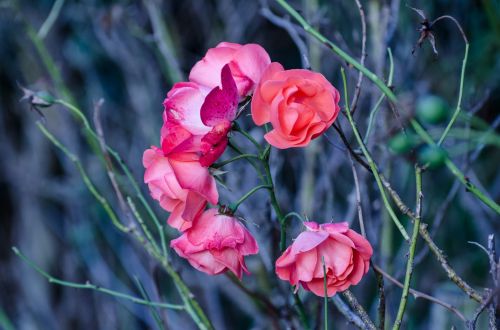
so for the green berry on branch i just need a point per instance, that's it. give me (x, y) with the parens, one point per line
(432, 109)
(432, 156)
(402, 143)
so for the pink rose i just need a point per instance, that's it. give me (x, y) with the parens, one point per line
(198, 120)
(182, 186)
(247, 63)
(216, 243)
(300, 104)
(346, 253)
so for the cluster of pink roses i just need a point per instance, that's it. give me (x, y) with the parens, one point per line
(197, 118)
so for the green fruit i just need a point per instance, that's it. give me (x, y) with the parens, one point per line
(402, 143)
(432, 109)
(432, 156)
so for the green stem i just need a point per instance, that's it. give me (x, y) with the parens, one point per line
(371, 163)
(459, 102)
(50, 65)
(47, 25)
(144, 228)
(91, 286)
(242, 156)
(321, 38)
(275, 205)
(374, 112)
(250, 138)
(103, 201)
(380, 84)
(456, 171)
(86, 125)
(145, 296)
(293, 214)
(411, 253)
(269, 184)
(234, 206)
(255, 165)
(192, 306)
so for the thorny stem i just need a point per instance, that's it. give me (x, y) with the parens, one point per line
(351, 299)
(91, 286)
(86, 125)
(411, 253)
(60, 86)
(452, 275)
(417, 294)
(350, 316)
(381, 85)
(144, 228)
(192, 307)
(455, 171)
(372, 164)
(104, 203)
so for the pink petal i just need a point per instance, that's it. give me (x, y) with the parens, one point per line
(305, 264)
(230, 259)
(337, 255)
(183, 104)
(207, 71)
(221, 104)
(193, 176)
(362, 245)
(308, 240)
(218, 230)
(260, 107)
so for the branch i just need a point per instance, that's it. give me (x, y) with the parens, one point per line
(91, 286)
(347, 312)
(417, 294)
(357, 91)
(371, 163)
(390, 95)
(411, 254)
(351, 299)
(292, 31)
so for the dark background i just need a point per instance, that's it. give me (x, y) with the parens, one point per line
(108, 50)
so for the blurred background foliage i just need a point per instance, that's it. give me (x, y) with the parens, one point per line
(129, 53)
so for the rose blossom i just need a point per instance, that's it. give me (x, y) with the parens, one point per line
(198, 120)
(247, 63)
(346, 254)
(216, 243)
(182, 186)
(300, 104)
